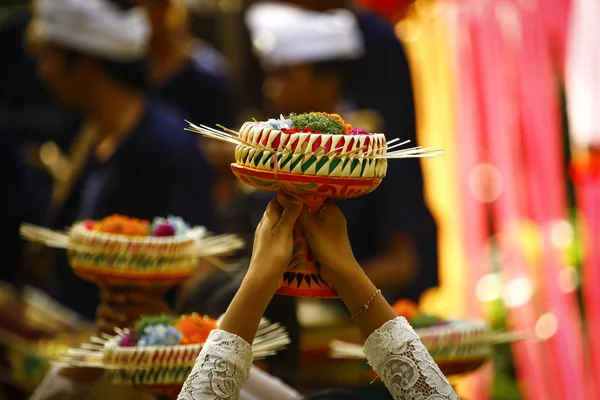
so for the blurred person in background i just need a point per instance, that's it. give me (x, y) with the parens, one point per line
(353, 64)
(18, 202)
(185, 72)
(138, 161)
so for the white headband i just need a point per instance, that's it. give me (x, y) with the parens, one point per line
(95, 27)
(286, 34)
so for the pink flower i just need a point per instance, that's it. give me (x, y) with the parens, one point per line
(127, 340)
(358, 131)
(164, 230)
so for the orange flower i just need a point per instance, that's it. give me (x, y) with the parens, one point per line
(195, 328)
(338, 118)
(122, 225)
(406, 308)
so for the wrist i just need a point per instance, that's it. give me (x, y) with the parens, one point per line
(341, 272)
(263, 280)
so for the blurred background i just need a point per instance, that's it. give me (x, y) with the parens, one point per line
(504, 227)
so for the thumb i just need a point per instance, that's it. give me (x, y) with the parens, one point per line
(290, 214)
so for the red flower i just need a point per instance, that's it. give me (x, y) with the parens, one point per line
(306, 129)
(88, 224)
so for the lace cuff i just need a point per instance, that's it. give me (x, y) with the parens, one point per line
(221, 368)
(404, 365)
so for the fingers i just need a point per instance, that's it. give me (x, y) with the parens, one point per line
(290, 214)
(331, 213)
(308, 221)
(272, 213)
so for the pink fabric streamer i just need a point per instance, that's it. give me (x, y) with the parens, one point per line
(494, 46)
(555, 17)
(583, 104)
(546, 190)
(508, 93)
(588, 199)
(471, 147)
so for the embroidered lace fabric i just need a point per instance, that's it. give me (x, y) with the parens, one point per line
(404, 365)
(394, 351)
(221, 369)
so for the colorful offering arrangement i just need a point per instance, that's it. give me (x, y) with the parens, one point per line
(312, 156)
(122, 225)
(121, 250)
(159, 353)
(458, 347)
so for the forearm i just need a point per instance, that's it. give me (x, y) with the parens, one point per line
(355, 289)
(249, 304)
(396, 352)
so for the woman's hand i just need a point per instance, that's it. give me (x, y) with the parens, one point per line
(123, 307)
(327, 236)
(272, 253)
(273, 241)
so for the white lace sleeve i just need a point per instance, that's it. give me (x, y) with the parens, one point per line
(221, 368)
(404, 365)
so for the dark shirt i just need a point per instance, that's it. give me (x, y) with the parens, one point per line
(19, 202)
(27, 106)
(200, 91)
(156, 171)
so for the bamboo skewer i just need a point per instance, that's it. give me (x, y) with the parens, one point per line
(206, 246)
(340, 349)
(231, 136)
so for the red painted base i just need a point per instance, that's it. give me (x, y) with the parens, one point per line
(104, 277)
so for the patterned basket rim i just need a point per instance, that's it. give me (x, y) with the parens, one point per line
(292, 176)
(192, 235)
(152, 349)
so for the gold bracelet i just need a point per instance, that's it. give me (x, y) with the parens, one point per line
(367, 304)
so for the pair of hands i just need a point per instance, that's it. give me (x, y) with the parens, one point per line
(326, 232)
(327, 236)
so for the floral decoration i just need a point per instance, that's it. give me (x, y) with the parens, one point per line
(359, 131)
(89, 224)
(165, 330)
(313, 122)
(159, 335)
(122, 225)
(346, 127)
(128, 339)
(279, 124)
(195, 328)
(169, 226)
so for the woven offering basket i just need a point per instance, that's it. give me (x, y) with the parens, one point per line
(458, 347)
(312, 166)
(119, 260)
(159, 370)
